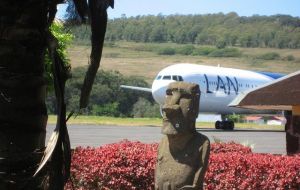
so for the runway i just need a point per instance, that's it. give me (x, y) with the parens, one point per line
(98, 135)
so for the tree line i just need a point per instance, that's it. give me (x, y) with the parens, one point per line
(277, 31)
(107, 98)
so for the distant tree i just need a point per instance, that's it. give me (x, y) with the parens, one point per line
(157, 34)
(254, 31)
(144, 108)
(235, 118)
(107, 98)
(180, 35)
(221, 43)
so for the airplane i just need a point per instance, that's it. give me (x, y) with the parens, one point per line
(218, 86)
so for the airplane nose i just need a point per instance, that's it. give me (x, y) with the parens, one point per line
(159, 90)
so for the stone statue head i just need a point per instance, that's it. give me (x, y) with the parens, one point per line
(181, 108)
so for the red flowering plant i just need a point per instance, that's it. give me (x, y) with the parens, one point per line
(130, 166)
(253, 171)
(124, 165)
(229, 148)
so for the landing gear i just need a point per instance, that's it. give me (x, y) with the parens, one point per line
(224, 124)
(218, 125)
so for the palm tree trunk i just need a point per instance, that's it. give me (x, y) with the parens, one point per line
(23, 114)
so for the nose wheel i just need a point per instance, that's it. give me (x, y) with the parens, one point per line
(226, 125)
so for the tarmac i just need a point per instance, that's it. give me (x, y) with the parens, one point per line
(263, 141)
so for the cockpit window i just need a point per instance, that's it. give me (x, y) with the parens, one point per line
(158, 77)
(175, 78)
(167, 77)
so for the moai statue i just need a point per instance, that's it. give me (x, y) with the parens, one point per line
(183, 152)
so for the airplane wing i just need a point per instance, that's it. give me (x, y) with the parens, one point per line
(143, 89)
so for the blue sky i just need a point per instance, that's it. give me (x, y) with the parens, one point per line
(167, 7)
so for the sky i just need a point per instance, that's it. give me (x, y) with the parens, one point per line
(167, 7)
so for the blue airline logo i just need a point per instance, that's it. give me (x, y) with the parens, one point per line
(225, 84)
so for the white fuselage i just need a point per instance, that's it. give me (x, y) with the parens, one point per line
(218, 85)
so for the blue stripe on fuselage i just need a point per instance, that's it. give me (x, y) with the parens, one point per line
(272, 75)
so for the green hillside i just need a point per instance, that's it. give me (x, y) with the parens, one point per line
(146, 60)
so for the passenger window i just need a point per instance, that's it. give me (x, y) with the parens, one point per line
(168, 77)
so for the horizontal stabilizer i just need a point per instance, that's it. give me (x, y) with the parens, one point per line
(137, 88)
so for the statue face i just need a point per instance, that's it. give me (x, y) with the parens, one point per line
(179, 112)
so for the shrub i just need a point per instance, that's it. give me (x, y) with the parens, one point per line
(166, 51)
(144, 108)
(229, 148)
(110, 109)
(203, 51)
(221, 44)
(226, 52)
(130, 165)
(124, 165)
(235, 117)
(145, 47)
(289, 58)
(185, 50)
(64, 39)
(269, 56)
(252, 171)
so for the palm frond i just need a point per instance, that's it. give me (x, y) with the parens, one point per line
(82, 9)
(98, 18)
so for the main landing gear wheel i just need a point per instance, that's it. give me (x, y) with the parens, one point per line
(218, 124)
(225, 125)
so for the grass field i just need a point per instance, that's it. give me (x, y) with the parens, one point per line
(155, 122)
(137, 59)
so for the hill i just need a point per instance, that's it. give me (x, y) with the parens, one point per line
(145, 59)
